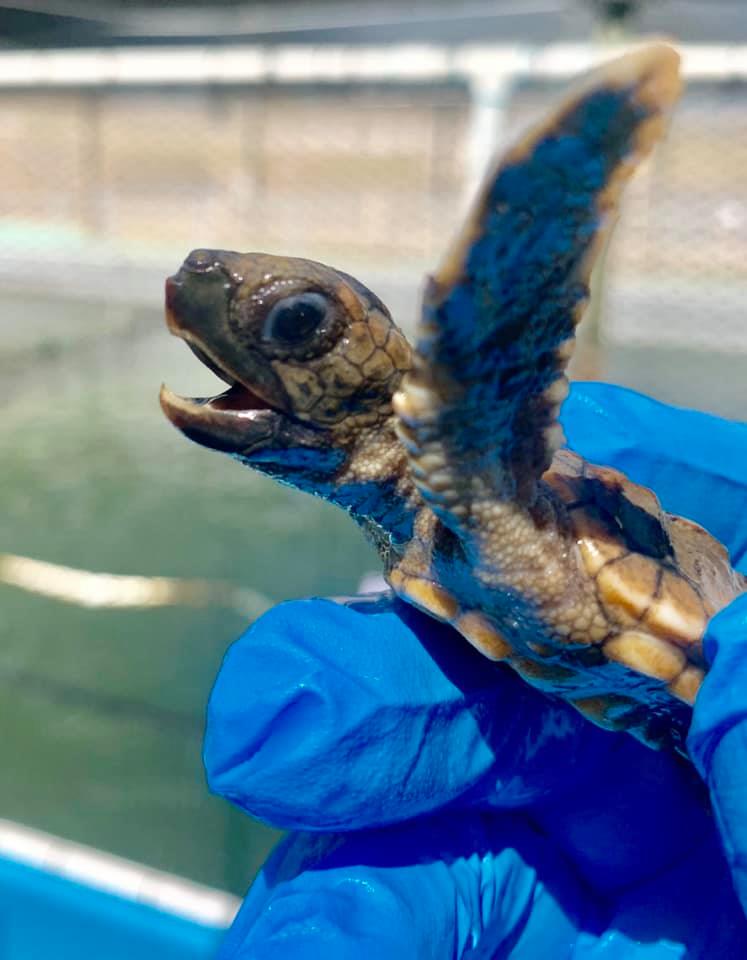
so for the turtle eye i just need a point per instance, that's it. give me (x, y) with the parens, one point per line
(294, 319)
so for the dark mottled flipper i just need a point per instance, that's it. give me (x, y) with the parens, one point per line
(478, 412)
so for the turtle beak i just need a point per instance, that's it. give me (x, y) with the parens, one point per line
(198, 301)
(248, 418)
(198, 310)
(198, 297)
(236, 421)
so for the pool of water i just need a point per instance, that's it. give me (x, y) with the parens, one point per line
(102, 710)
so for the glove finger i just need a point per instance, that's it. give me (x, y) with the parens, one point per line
(688, 910)
(632, 819)
(476, 886)
(441, 888)
(718, 735)
(695, 462)
(337, 717)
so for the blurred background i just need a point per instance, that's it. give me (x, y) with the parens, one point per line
(348, 132)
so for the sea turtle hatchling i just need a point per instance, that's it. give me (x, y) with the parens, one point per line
(449, 455)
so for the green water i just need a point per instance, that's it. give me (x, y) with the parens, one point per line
(102, 710)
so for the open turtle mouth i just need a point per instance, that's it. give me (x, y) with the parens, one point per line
(250, 415)
(239, 397)
(253, 418)
(238, 420)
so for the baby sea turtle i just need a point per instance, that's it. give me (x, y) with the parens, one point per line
(449, 455)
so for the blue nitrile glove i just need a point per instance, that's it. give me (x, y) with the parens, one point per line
(451, 811)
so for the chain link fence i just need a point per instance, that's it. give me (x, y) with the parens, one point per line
(367, 176)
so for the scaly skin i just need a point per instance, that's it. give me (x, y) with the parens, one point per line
(449, 455)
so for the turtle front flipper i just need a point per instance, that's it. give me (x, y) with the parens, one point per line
(478, 411)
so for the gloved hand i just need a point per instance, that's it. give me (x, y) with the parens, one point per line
(444, 809)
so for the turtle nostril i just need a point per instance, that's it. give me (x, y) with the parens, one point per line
(197, 299)
(200, 261)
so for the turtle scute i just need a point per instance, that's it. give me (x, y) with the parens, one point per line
(642, 561)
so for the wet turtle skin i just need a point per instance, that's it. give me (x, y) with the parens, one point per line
(449, 455)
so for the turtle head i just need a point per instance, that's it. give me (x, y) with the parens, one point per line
(311, 357)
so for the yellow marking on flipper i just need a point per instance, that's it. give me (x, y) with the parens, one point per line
(542, 649)
(646, 654)
(532, 670)
(429, 462)
(685, 686)
(429, 597)
(556, 393)
(414, 401)
(611, 711)
(484, 636)
(439, 480)
(396, 580)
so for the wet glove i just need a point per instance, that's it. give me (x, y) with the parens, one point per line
(441, 808)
